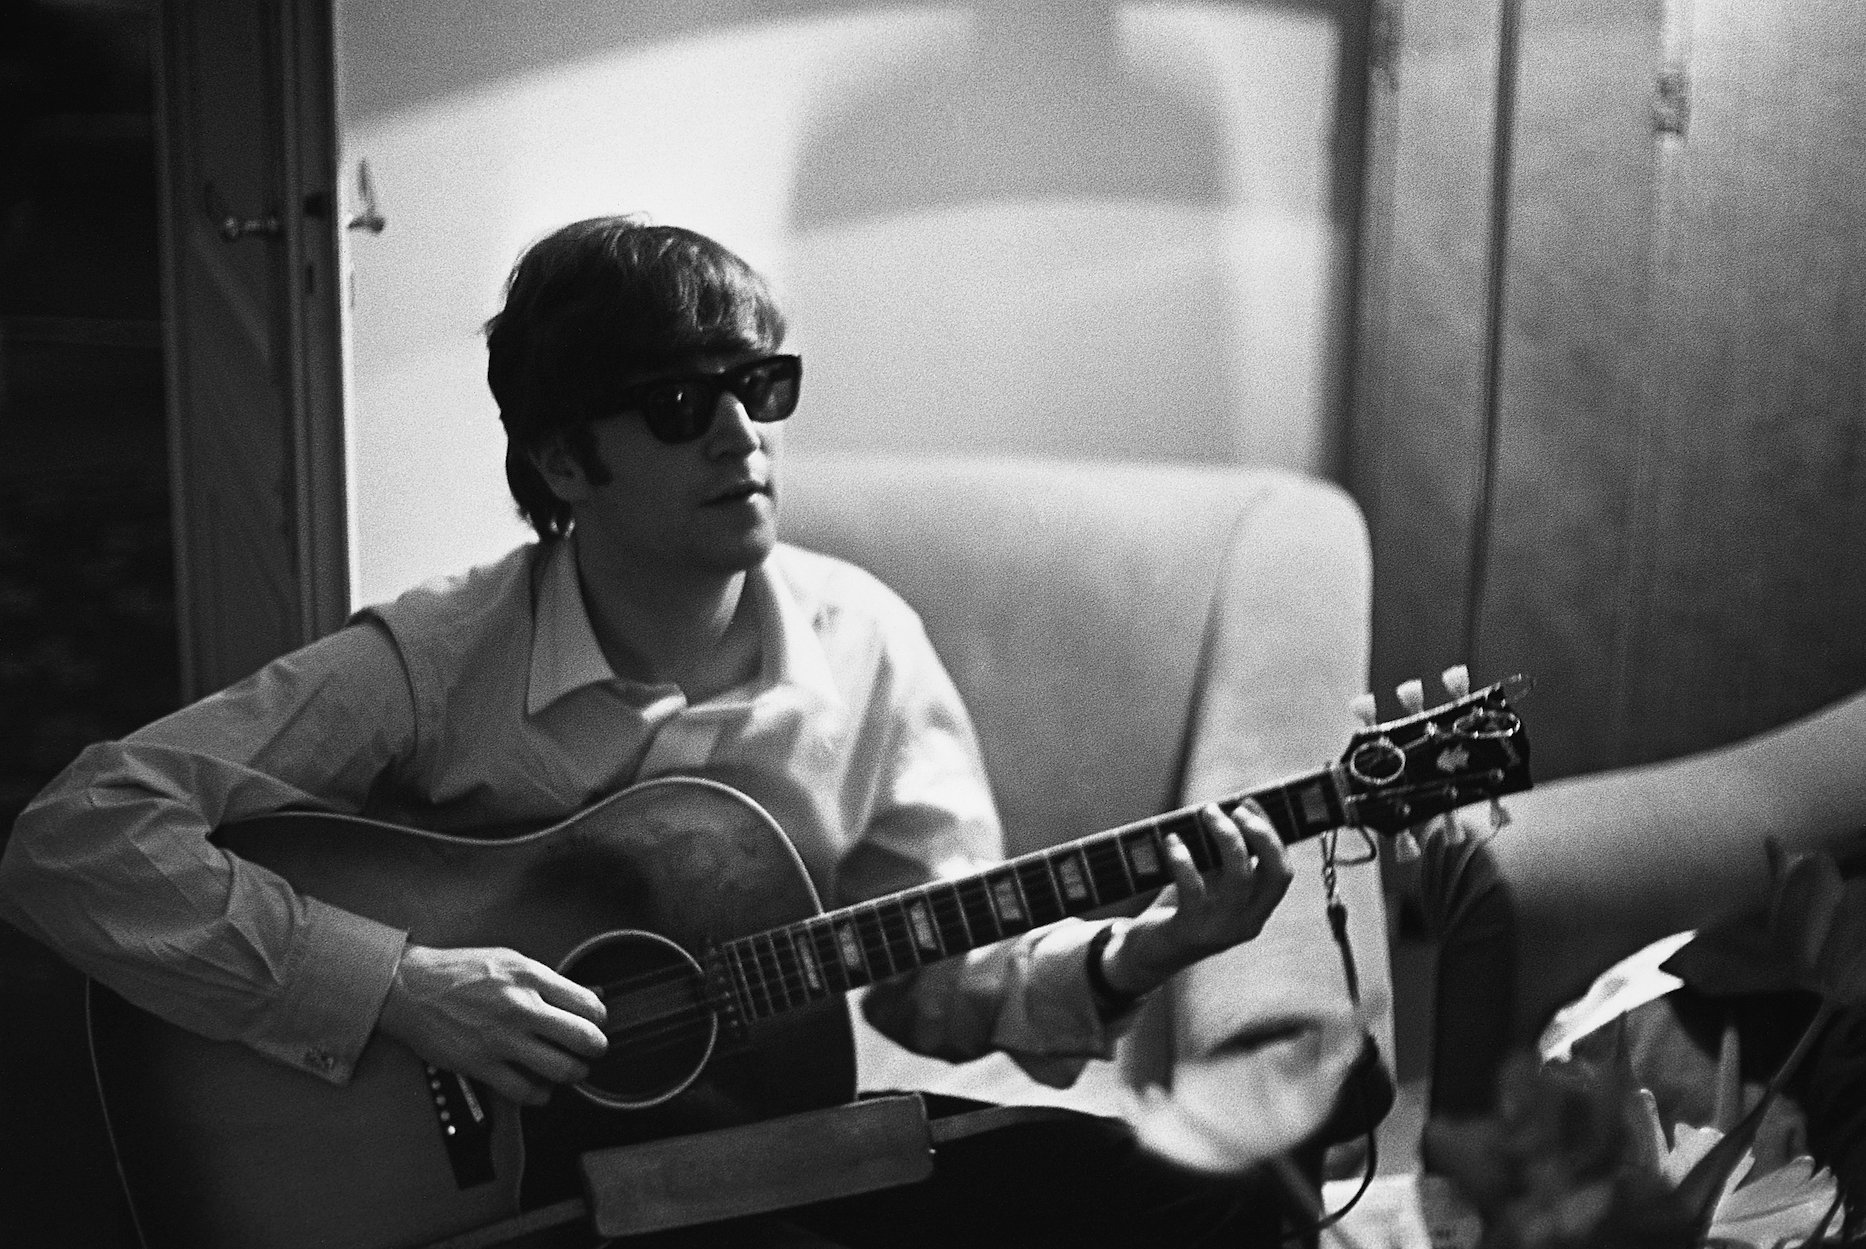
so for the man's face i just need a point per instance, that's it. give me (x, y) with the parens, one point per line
(708, 506)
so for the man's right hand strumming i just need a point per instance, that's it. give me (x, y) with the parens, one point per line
(495, 1016)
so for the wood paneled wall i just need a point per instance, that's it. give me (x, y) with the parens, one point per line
(1609, 404)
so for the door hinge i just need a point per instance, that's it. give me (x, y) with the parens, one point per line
(1671, 101)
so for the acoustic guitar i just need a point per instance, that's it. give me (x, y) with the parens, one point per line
(683, 904)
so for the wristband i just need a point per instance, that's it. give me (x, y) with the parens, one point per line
(1114, 1002)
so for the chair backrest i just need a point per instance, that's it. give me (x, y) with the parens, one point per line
(1132, 638)
(1128, 637)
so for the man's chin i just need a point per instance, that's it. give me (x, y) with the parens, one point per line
(742, 553)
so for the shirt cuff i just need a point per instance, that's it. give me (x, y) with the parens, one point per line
(1056, 1016)
(342, 968)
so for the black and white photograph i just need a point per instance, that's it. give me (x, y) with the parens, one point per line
(1108, 624)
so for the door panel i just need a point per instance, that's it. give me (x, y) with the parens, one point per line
(251, 308)
(1675, 544)
(1752, 600)
(1573, 362)
(1415, 460)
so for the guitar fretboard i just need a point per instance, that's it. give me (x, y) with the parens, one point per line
(771, 972)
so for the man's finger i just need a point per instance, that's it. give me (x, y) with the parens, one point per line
(570, 1032)
(566, 994)
(511, 1083)
(1233, 855)
(1185, 871)
(548, 1063)
(1265, 846)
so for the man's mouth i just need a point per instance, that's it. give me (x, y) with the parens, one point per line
(741, 492)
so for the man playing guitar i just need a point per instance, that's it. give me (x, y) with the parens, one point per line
(657, 627)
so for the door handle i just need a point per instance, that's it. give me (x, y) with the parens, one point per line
(368, 216)
(231, 225)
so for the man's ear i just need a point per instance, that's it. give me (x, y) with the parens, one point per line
(560, 469)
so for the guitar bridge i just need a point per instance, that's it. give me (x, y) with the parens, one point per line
(465, 1122)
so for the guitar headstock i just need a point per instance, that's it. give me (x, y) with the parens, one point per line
(1403, 772)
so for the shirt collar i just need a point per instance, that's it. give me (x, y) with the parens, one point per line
(565, 655)
(793, 654)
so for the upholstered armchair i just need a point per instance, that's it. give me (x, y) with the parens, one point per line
(1131, 639)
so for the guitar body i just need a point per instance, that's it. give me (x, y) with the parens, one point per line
(221, 1148)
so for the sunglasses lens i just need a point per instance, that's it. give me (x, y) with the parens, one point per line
(768, 389)
(679, 411)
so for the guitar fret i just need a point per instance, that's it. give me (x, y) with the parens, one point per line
(736, 982)
(975, 905)
(1291, 817)
(928, 942)
(1127, 868)
(1041, 895)
(822, 942)
(1108, 870)
(1141, 851)
(753, 992)
(850, 955)
(1076, 881)
(773, 968)
(897, 933)
(1056, 884)
(874, 941)
(805, 958)
(1318, 813)
(949, 916)
(1007, 901)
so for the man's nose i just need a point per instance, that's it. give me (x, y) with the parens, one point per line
(733, 431)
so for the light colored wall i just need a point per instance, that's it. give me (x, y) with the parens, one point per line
(1086, 229)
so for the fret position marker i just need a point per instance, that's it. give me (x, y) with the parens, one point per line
(1004, 896)
(1145, 856)
(1314, 805)
(921, 922)
(807, 957)
(850, 947)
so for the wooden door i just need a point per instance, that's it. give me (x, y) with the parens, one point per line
(251, 292)
(1747, 591)
(1619, 446)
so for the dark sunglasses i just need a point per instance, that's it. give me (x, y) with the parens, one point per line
(680, 409)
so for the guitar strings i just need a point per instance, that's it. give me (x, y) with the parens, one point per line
(868, 919)
(784, 983)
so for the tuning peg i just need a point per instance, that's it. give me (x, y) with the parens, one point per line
(1411, 695)
(1457, 679)
(1364, 709)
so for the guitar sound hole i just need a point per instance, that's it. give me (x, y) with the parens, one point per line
(661, 1030)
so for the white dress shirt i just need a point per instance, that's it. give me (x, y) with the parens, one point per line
(482, 705)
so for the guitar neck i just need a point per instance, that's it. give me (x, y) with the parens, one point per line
(771, 972)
